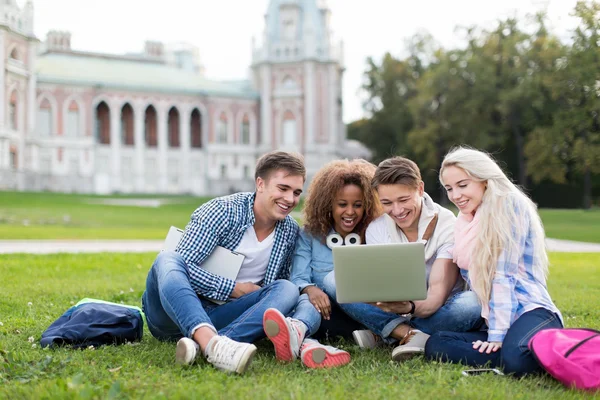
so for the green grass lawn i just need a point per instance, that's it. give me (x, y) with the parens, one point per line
(69, 216)
(579, 225)
(35, 290)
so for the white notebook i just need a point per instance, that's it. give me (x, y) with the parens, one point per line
(222, 262)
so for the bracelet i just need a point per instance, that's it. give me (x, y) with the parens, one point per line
(412, 307)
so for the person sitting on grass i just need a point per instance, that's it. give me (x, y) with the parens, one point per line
(340, 201)
(179, 295)
(500, 249)
(410, 215)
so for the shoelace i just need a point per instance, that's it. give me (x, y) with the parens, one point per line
(223, 351)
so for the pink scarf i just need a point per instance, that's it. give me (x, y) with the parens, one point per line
(466, 230)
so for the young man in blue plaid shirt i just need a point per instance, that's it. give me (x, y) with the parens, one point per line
(180, 296)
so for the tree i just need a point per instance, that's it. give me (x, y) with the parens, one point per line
(573, 139)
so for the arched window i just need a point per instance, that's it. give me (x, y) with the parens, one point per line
(245, 130)
(196, 129)
(222, 128)
(14, 54)
(150, 132)
(13, 111)
(73, 120)
(289, 129)
(127, 135)
(102, 125)
(44, 118)
(288, 82)
(173, 125)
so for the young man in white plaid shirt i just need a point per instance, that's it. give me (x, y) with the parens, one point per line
(258, 225)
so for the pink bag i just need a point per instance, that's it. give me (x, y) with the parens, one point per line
(570, 355)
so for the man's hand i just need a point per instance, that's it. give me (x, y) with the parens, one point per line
(319, 299)
(241, 289)
(396, 307)
(487, 347)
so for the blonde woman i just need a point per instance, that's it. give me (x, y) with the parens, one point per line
(499, 248)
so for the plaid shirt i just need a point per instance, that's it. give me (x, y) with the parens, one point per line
(222, 222)
(519, 285)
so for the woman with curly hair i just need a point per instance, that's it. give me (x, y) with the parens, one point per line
(340, 204)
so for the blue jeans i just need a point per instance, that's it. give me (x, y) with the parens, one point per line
(173, 309)
(308, 314)
(460, 313)
(514, 356)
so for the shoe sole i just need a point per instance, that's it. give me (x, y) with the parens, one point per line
(278, 333)
(246, 360)
(321, 358)
(359, 342)
(183, 354)
(406, 354)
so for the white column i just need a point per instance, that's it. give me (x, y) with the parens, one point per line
(266, 109)
(115, 147)
(333, 106)
(32, 90)
(2, 80)
(162, 148)
(4, 154)
(309, 106)
(184, 139)
(140, 144)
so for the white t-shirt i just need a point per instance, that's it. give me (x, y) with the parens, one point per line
(254, 267)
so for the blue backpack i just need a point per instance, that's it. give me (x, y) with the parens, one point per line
(95, 323)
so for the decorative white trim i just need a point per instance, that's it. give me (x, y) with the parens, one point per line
(82, 114)
(282, 112)
(253, 125)
(53, 109)
(230, 124)
(103, 98)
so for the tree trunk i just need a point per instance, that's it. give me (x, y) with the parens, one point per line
(587, 189)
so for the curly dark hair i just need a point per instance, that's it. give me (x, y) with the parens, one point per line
(325, 186)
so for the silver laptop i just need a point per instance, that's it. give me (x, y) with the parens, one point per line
(380, 272)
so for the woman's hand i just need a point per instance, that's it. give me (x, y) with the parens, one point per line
(487, 347)
(396, 307)
(320, 300)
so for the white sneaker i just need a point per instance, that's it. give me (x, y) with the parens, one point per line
(317, 355)
(286, 334)
(186, 351)
(412, 345)
(228, 355)
(365, 339)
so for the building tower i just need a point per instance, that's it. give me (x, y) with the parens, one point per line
(297, 69)
(17, 89)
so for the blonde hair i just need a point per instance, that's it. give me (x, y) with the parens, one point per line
(503, 211)
(325, 186)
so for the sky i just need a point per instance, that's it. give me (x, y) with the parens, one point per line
(222, 29)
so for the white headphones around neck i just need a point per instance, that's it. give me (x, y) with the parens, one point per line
(336, 240)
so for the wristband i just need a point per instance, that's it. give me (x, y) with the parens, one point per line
(412, 307)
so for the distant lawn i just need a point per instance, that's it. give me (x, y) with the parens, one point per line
(35, 290)
(68, 216)
(578, 225)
